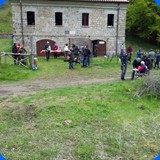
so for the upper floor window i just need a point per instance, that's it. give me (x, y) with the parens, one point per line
(110, 20)
(58, 18)
(30, 18)
(85, 19)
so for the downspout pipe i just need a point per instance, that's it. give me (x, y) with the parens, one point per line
(20, 2)
(117, 29)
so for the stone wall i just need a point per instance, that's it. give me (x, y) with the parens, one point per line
(45, 27)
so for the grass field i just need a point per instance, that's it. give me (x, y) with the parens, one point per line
(100, 121)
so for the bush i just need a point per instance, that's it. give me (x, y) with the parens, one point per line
(150, 86)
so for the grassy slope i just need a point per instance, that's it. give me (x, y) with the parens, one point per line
(107, 122)
(6, 18)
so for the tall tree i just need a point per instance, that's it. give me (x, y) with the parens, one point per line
(143, 19)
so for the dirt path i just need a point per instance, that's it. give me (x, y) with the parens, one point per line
(32, 86)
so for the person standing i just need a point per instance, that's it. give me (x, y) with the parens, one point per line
(70, 60)
(55, 47)
(157, 57)
(151, 56)
(47, 48)
(66, 50)
(129, 53)
(139, 54)
(15, 51)
(86, 54)
(124, 63)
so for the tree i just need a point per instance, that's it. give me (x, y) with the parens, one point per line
(143, 19)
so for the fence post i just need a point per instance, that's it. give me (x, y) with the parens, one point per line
(0, 61)
(5, 58)
(31, 60)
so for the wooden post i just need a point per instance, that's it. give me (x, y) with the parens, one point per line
(5, 58)
(31, 60)
(0, 61)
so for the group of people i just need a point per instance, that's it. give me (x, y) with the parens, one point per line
(74, 54)
(141, 64)
(77, 55)
(18, 50)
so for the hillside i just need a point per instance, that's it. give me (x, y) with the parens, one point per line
(6, 18)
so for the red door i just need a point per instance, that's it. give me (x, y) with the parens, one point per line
(40, 45)
(99, 46)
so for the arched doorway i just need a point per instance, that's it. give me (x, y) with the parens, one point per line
(41, 43)
(99, 47)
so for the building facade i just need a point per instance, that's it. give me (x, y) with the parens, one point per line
(82, 22)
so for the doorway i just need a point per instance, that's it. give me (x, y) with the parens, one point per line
(99, 47)
(41, 43)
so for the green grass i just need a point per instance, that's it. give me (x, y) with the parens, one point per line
(106, 120)
(6, 18)
(6, 45)
(57, 68)
(137, 43)
(104, 124)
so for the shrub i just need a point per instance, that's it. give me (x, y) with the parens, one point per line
(150, 86)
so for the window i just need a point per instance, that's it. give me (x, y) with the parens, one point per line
(110, 20)
(85, 19)
(30, 18)
(58, 18)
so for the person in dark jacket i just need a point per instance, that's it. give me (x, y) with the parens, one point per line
(47, 48)
(124, 63)
(86, 56)
(15, 50)
(157, 57)
(136, 63)
(70, 60)
(139, 54)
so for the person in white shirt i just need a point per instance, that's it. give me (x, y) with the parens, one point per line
(66, 51)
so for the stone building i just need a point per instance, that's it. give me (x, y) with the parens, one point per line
(98, 23)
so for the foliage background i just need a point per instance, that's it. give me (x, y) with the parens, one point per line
(143, 20)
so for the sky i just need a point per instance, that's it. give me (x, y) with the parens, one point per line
(158, 2)
(2, 1)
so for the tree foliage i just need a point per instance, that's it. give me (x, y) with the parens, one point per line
(143, 20)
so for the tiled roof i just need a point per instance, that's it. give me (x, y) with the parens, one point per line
(121, 1)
